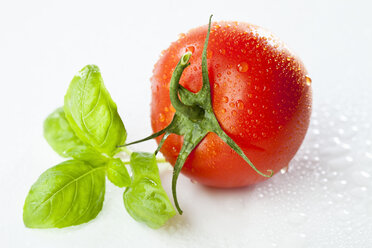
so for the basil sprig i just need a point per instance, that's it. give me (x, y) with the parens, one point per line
(88, 129)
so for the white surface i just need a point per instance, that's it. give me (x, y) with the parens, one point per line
(324, 200)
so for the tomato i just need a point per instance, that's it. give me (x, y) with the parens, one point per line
(261, 96)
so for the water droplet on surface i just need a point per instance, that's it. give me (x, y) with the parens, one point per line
(284, 170)
(225, 99)
(242, 67)
(222, 51)
(361, 178)
(223, 111)
(360, 192)
(308, 80)
(249, 111)
(297, 218)
(233, 112)
(343, 118)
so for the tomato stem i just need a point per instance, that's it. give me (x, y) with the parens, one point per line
(193, 112)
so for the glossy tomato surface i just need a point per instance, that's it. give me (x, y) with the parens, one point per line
(261, 96)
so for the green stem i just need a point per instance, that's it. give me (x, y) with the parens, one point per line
(193, 112)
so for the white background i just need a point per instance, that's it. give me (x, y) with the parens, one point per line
(325, 198)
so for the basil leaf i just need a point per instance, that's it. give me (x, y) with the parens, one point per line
(145, 200)
(117, 173)
(70, 193)
(92, 113)
(62, 139)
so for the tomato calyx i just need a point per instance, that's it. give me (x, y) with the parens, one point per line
(194, 118)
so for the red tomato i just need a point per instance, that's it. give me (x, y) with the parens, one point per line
(261, 96)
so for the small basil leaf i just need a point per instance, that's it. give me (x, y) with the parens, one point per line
(62, 139)
(145, 200)
(92, 113)
(117, 173)
(70, 193)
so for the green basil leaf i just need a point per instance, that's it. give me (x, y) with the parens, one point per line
(92, 113)
(117, 173)
(145, 200)
(70, 193)
(62, 139)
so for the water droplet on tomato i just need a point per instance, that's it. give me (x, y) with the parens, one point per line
(233, 112)
(308, 80)
(172, 108)
(242, 67)
(181, 35)
(240, 105)
(209, 54)
(232, 104)
(225, 99)
(249, 111)
(219, 75)
(166, 109)
(161, 117)
(216, 86)
(223, 111)
(222, 51)
(190, 49)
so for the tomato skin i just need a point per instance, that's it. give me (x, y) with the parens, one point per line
(261, 96)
